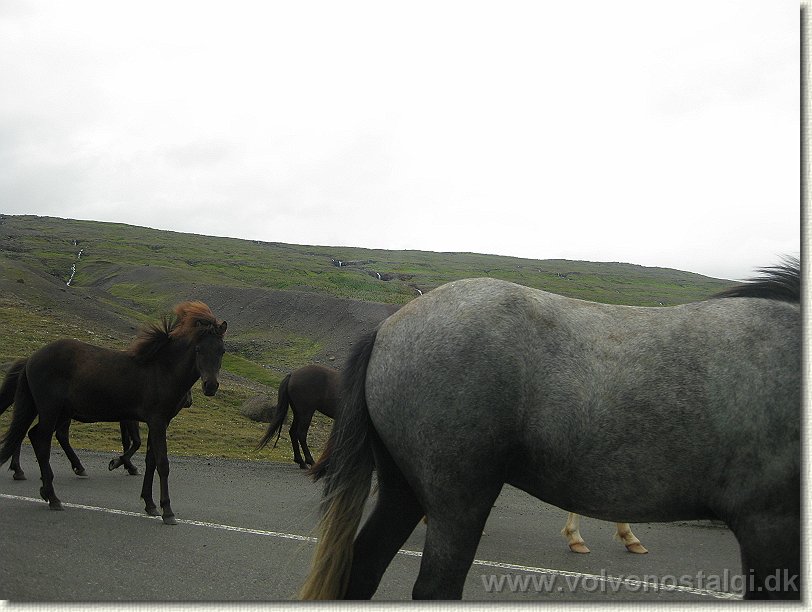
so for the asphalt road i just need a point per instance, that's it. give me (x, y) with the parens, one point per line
(245, 534)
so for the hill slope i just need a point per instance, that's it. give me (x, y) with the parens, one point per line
(287, 305)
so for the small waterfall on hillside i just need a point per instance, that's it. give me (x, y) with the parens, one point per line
(73, 266)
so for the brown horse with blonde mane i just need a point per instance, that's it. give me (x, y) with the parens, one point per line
(68, 379)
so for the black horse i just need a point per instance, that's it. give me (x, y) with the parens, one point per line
(306, 390)
(68, 379)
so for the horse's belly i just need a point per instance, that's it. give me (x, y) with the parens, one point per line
(617, 495)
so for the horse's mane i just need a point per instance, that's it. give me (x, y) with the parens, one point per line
(193, 318)
(190, 320)
(151, 339)
(781, 282)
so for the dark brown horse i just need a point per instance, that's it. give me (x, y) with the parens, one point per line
(68, 379)
(306, 390)
(130, 438)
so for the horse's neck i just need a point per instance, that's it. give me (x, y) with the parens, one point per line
(178, 366)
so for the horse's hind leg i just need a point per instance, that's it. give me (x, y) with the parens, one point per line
(134, 439)
(125, 445)
(304, 426)
(294, 440)
(771, 555)
(63, 437)
(455, 526)
(40, 436)
(15, 466)
(392, 520)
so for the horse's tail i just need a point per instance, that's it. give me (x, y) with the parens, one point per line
(25, 411)
(346, 482)
(278, 418)
(9, 387)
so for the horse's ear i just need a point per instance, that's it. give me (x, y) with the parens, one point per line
(222, 328)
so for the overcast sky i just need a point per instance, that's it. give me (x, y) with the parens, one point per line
(651, 132)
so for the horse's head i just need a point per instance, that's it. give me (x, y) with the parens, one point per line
(209, 351)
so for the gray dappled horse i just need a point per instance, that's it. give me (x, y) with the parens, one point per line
(481, 382)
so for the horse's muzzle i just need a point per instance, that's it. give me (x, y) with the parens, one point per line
(210, 387)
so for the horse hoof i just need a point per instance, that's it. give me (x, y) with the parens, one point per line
(636, 548)
(302, 466)
(114, 463)
(152, 511)
(579, 547)
(55, 504)
(132, 471)
(80, 472)
(170, 520)
(19, 476)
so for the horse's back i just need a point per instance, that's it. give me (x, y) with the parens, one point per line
(315, 386)
(82, 379)
(60, 360)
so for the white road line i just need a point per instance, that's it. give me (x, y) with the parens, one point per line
(634, 585)
(274, 534)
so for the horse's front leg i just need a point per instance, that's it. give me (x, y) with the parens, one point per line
(146, 488)
(573, 535)
(157, 440)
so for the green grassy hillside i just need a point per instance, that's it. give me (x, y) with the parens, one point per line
(290, 304)
(51, 245)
